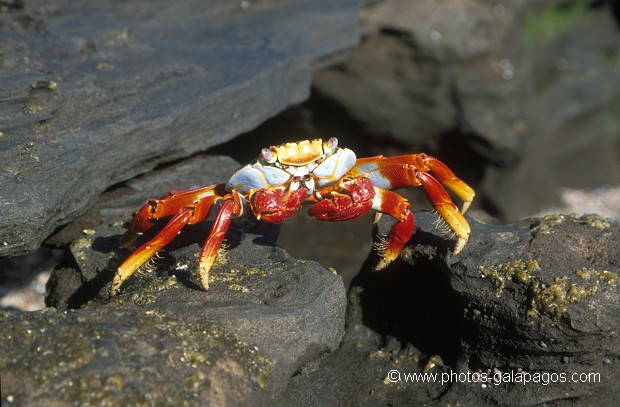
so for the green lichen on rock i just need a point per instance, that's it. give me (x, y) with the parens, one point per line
(553, 299)
(142, 300)
(609, 278)
(161, 284)
(237, 279)
(546, 224)
(520, 271)
(549, 299)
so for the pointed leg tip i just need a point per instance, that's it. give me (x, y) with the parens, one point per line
(381, 265)
(203, 275)
(376, 217)
(465, 206)
(116, 283)
(460, 244)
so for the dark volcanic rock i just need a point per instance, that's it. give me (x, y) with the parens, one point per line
(166, 342)
(544, 296)
(527, 90)
(537, 300)
(162, 340)
(93, 94)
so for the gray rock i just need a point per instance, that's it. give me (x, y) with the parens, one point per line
(538, 297)
(525, 91)
(94, 94)
(163, 340)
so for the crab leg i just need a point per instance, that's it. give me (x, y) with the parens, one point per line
(446, 177)
(447, 210)
(168, 205)
(147, 250)
(411, 170)
(214, 242)
(188, 207)
(396, 206)
(387, 172)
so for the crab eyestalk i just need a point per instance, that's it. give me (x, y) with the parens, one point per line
(330, 146)
(268, 156)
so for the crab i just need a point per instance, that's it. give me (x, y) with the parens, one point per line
(338, 186)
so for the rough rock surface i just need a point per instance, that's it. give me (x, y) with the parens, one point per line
(526, 91)
(540, 297)
(93, 94)
(162, 340)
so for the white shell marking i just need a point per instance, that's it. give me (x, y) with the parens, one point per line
(334, 167)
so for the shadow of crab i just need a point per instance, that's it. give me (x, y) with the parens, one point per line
(412, 300)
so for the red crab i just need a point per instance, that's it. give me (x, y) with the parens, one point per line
(338, 185)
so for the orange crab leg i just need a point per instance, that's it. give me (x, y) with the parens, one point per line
(168, 205)
(147, 250)
(446, 177)
(398, 172)
(214, 241)
(189, 207)
(447, 209)
(393, 204)
(412, 170)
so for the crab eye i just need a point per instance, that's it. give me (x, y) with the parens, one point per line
(330, 145)
(268, 155)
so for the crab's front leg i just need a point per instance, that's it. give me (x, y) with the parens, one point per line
(447, 178)
(442, 203)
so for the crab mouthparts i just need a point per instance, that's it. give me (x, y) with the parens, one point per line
(304, 181)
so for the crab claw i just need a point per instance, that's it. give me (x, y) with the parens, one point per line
(352, 200)
(271, 206)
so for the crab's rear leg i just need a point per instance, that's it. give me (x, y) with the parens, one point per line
(401, 171)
